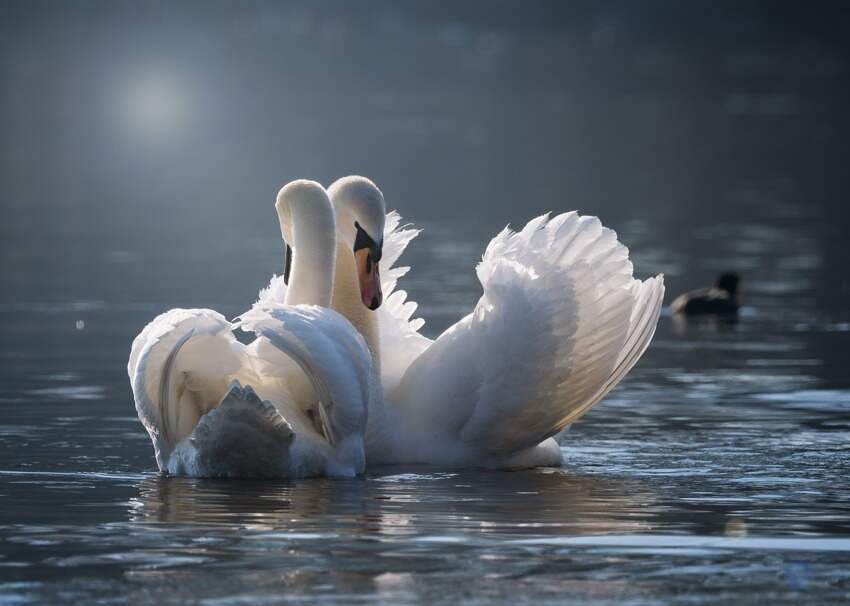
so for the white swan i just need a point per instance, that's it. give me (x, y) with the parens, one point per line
(187, 371)
(560, 323)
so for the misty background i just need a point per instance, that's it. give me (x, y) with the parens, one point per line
(144, 142)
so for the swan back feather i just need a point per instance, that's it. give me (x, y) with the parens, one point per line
(333, 356)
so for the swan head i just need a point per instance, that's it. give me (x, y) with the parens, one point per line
(308, 228)
(360, 215)
(301, 200)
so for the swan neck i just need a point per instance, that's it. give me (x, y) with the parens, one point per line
(312, 248)
(347, 301)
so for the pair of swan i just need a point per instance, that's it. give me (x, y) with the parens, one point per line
(339, 374)
(292, 403)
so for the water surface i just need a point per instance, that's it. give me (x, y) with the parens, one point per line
(717, 469)
(710, 140)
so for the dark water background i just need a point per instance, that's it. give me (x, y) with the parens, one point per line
(142, 147)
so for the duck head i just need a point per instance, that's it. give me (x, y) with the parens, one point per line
(728, 281)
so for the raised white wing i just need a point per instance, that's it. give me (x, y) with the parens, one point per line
(560, 322)
(180, 368)
(400, 341)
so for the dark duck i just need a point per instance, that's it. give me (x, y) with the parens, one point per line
(720, 299)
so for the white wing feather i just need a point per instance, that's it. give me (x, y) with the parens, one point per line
(275, 292)
(330, 352)
(560, 322)
(185, 369)
(401, 342)
(180, 367)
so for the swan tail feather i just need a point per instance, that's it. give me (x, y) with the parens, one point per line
(243, 437)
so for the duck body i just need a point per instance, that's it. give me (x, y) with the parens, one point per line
(720, 299)
(705, 301)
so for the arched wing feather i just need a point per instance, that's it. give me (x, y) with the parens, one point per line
(180, 367)
(560, 322)
(401, 342)
(329, 351)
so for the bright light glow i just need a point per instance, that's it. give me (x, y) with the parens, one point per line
(155, 104)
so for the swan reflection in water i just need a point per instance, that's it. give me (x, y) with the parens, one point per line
(384, 536)
(411, 501)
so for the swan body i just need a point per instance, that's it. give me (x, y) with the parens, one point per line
(293, 403)
(560, 323)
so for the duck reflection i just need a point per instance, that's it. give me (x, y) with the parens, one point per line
(411, 501)
(708, 324)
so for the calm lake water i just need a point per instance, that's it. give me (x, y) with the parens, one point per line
(143, 144)
(719, 467)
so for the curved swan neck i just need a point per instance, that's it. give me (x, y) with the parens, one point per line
(358, 205)
(308, 226)
(347, 301)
